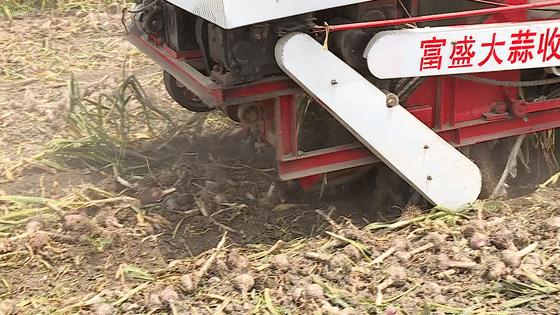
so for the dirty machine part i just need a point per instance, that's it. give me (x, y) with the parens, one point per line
(468, 71)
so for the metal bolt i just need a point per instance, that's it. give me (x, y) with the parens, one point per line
(430, 177)
(334, 82)
(392, 100)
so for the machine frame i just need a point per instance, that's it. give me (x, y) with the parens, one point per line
(446, 104)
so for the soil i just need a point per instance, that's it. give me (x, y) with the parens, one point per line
(200, 224)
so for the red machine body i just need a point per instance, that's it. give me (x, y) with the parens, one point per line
(463, 112)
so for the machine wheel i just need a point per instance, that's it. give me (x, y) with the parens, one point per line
(183, 96)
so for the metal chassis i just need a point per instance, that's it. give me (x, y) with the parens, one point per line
(278, 97)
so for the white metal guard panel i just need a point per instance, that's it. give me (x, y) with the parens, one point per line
(235, 13)
(431, 165)
(464, 49)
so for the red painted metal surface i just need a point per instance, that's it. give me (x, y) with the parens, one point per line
(293, 164)
(203, 86)
(324, 161)
(439, 17)
(181, 55)
(286, 127)
(455, 101)
(263, 87)
(482, 130)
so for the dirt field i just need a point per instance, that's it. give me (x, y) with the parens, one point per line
(114, 200)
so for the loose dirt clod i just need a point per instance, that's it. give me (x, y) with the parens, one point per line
(214, 280)
(479, 240)
(7, 307)
(497, 271)
(348, 311)
(436, 238)
(511, 258)
(297, 293)
(237, 261)
(339, 261)
(104, 309)
(314, 291)
(281, 262)
(398, 274)
(187, 283)
(403, 257)
(554, 222)
(327, 308)
(38, 240)
(353, 253)
(74, 222)
(349, 233)
(33, 226)
(169, 295)
(502, 239)
(401, 245)
(244, 282)
(154, 301)
(112, 221)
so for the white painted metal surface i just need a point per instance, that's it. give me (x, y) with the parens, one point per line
(432, 166)
(235, 13)
(464, 49)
